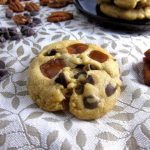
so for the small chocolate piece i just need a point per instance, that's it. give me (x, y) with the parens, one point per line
(3, 74)
(90, 67)
(80, 66)
(36, 20)
(79, 89)
(2, 65)
(90, 102)
(110, 90)
(65, 102)
(76, 76)
(2, 39)
(27, 31)
(61, 79)
(68, 93)
(90, 80)
(9, 13)
(51, 52)
(4, 32)
(14, 35)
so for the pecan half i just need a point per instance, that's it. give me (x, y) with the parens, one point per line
(16, 6)
(44, 2)
(2, 2)
(59, 3)
(59, 16)
(21, 20)
(12, 1)
(147, 54)
(32, 7)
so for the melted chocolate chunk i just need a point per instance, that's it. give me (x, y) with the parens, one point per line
(90, 102)
(52, 67)
(77, 48)
(110, 90)
(79, 89)
(68, 93)
(90, 80)
(98, 56)
(61, 79)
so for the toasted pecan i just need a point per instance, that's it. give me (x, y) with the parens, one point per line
(32, 7)
(21, 20)
(59, 3)
(16, 6)
(2, 2)
(44, 2)
(59, 16)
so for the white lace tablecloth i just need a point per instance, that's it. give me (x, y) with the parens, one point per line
(23, 126)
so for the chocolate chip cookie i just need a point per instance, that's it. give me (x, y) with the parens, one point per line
(82, 78)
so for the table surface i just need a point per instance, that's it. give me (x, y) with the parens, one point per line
(24, 126)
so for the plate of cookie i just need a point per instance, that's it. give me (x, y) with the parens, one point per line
(133, 16)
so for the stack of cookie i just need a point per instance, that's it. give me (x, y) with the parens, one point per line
(127, 10)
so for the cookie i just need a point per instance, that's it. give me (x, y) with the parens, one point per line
(127, 4)
(82, 78)
(104, 1)
(146, 68)
(131, 14)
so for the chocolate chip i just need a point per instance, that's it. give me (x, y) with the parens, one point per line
(14, 35)
(90, 67)
(51, 52)
(90, 102)
(76, 76)
(3, 74)
(79, 89)
(65, 102)
(9, 13)
(4, 32)
(61, 79)
(2, 65)
(110, 90)
(34, 13)
(68, 93)
(90, 80)
(81, 66)
(27, 31)
(2, 39)
(36, 20)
